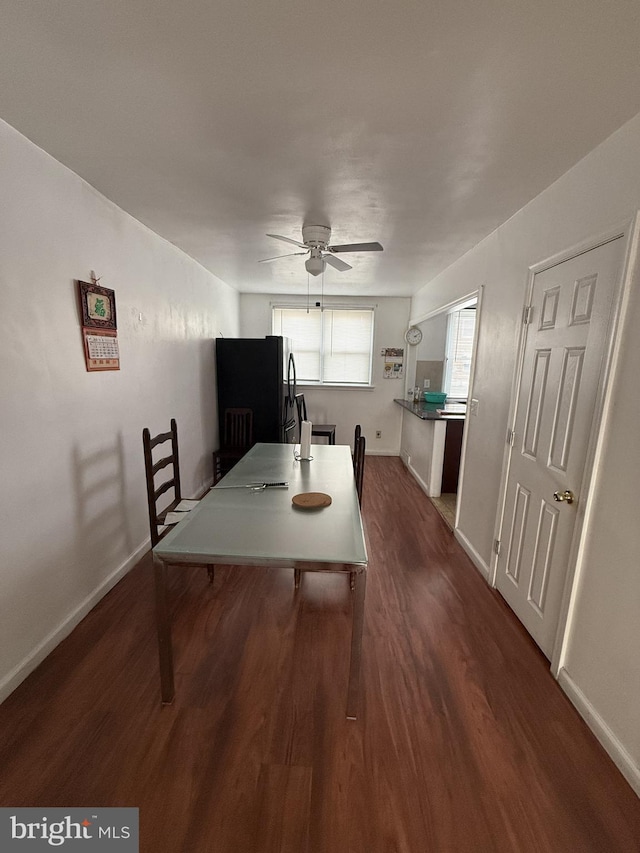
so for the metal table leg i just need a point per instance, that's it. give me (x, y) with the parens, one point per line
(356, 644)
(163, 626)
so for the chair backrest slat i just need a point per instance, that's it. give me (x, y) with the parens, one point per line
(168, 484)
(162, 463)
(238, 428)
(160, 438)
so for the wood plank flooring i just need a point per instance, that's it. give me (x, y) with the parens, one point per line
(464, 741)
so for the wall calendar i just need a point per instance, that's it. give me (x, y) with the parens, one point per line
(99, 327)
(101, 349)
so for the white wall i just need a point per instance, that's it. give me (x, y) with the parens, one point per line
(432, 348)
(345, 407)
(603, 654)
(602, 660)
(73, 501)
(433, 345)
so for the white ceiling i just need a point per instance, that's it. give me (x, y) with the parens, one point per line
(417, 123)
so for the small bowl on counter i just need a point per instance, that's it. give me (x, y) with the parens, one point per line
(437, 397)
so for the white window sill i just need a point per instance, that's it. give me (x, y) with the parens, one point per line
(328, 387)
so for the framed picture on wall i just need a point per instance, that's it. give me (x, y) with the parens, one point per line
(98, 306)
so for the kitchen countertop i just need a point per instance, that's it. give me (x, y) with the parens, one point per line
(433, 411)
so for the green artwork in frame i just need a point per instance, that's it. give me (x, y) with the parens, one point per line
(98, 306)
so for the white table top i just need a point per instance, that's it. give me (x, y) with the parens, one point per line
(244, 527)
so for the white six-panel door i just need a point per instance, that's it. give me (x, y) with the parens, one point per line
(564, 352)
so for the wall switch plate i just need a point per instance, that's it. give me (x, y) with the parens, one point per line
(427, 384)
(473, 407)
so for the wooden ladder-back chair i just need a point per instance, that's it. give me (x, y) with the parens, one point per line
(321, 430)
(157, 485)
(358, 464)
(359, 447)
(235, 441)
(356, 435)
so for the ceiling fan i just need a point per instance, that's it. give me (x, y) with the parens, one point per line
(315, 242)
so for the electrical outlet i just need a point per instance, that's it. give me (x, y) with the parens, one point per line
(473, 407)
(427, 384)
(378, 433)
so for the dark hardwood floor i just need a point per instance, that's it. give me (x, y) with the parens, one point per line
(464, 741)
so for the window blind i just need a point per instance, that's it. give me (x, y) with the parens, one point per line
(331, 346)
(460, 332)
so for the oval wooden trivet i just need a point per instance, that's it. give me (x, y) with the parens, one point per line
(311, 500)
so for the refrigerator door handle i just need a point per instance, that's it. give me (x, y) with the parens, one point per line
(291, 380)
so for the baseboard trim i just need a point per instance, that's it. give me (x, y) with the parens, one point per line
(615, 749)
(419, 480)
(48, 644)
(471, 552)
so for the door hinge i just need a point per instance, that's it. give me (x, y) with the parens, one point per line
(527, 314)
(511, 437)
(496, 547)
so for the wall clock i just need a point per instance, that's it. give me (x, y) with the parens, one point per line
(413, 336)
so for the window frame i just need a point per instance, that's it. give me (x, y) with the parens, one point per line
(450, 353)
(322, 310)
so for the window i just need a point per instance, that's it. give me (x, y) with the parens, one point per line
(460, 331)
(332, 346)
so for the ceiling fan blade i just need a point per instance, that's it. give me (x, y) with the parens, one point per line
(277, 257)
(336, 263)
(287, 240)
(356, 247)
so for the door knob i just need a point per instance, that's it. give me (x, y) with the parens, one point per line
(565, 496)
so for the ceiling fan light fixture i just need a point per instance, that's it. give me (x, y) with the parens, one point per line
(315, 264)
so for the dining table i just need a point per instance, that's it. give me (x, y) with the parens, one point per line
(263, 513)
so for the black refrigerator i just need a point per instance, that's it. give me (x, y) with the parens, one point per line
(259, 374)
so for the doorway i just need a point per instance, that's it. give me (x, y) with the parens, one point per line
(444, 362)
